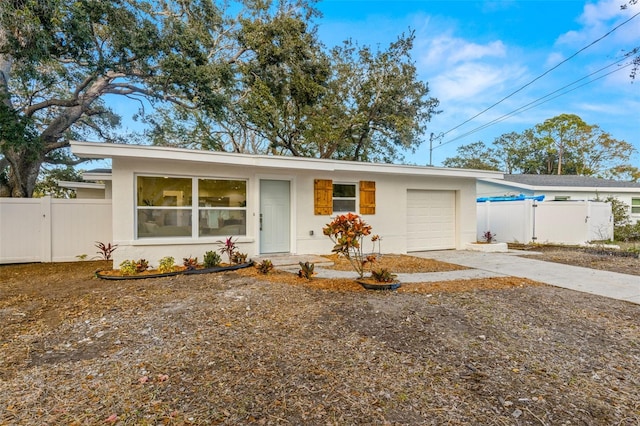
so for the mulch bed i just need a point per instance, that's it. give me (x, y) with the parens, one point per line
(244, 348)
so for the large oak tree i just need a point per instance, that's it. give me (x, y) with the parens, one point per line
(60, 60)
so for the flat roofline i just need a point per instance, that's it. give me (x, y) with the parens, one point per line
(109, 150)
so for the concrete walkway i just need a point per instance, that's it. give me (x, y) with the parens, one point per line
(603, 283)
(487, 265)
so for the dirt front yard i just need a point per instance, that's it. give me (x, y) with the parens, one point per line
(240, 348)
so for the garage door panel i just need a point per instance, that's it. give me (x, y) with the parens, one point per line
(430, 220)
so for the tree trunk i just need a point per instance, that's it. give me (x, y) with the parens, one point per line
(22, 173)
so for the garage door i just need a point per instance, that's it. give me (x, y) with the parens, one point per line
(431, 220)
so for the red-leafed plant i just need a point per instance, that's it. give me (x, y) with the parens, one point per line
(347, 232)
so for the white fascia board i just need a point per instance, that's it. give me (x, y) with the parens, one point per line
(510, 184)
(83, 185)
(107, 150)
(542, 188)
(588, 189)
(97, 176)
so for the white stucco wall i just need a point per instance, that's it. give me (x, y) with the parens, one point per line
(389, 221)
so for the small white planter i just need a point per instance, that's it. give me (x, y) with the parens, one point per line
(487, 247)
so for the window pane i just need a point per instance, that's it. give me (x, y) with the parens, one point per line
(164, 223)
(344, 205)
(635, 202)
(344, 190)
(222, 222)
(164, 191)
(222, 193)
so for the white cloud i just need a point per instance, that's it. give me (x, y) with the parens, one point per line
(599, 18)
(448, 51)
(472, 79)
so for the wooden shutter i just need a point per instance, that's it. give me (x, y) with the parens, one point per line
(323, 197)
(367, 197)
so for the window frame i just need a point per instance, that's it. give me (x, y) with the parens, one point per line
(355, 198)
(635, 206)
(194, 208)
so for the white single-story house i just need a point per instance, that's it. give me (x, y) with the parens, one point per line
(564, 188)
(180, 202)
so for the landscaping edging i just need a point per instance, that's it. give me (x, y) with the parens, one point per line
(378, 286)
(172, 274)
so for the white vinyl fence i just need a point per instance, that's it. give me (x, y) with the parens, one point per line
(52, 230)
(560, 222)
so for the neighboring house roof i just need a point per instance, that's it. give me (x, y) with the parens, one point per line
(566, 183)
(108, 150)
(97, 174)
(570, 181)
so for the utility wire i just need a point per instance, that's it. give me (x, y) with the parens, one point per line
(537, 102)
(541, 75)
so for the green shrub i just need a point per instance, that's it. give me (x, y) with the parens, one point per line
(166, 264)
(212, 259)
(128, 267)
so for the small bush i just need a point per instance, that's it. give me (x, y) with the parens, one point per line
(166, 264)
(141, 265)
(383, 276)
(238, 257)
(306, 270)
(627, 232)
(228, 247)
(265, 266)
(128, 267)
(212, 259)
(105, 250)
(488, 237)
(190, 262)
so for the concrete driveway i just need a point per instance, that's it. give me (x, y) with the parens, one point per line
(603, 283)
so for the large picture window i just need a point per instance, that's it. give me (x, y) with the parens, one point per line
(222, 207)
(165, 207)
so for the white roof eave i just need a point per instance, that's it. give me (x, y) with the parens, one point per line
(108, 150)
(541, 188)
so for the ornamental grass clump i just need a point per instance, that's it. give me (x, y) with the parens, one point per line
(347, 232)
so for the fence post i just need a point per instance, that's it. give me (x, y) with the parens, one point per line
(45, 229)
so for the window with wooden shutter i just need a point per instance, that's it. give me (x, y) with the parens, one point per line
(323, 197)
(367, 197)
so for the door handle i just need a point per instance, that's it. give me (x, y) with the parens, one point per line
(261, 221)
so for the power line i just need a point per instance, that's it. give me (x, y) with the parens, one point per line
(536, 103)
(542, 75)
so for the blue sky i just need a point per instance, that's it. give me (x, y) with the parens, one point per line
(474, 53)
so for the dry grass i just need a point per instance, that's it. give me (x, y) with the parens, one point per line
(242, 348)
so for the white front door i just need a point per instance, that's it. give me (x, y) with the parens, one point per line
(275, 206)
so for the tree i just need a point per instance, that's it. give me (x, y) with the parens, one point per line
(562, 144)
(565, 132)
(296, 98)
(59, 60)
(375, 105)
(474, 156)
(47, 183)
